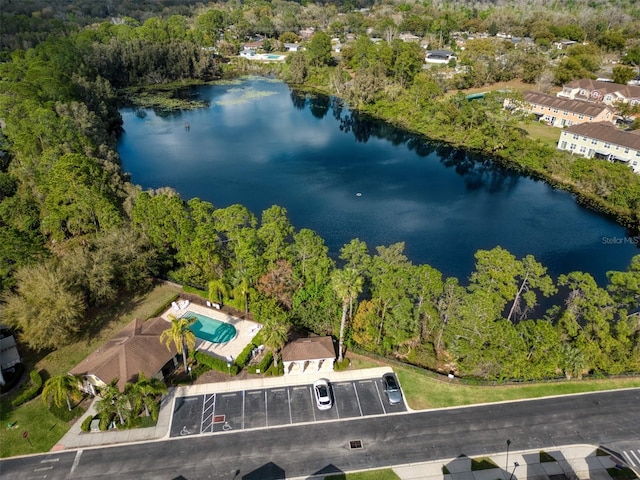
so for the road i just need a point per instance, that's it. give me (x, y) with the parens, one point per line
(607, 418)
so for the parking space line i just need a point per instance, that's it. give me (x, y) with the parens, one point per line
(206, 406)
(76, 462)
(204, 415)
(313, 404)
(244, 392)
(335, 402)
(357, 397)
(266, 414)
(381, 402)
(629, 460)
(289, 400)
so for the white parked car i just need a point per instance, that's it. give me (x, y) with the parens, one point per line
(322, 394)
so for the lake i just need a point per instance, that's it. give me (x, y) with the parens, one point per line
(345, 176)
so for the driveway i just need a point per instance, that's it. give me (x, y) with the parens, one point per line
(277, 406)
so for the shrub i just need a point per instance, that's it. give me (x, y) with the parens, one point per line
(140, 422)
(194, 291)
(245, 356)
(274, 371)
(215, 363)
(30, 391)
(343, 365)
(86, 423)
(263, 365)
(158, 311)
(105, 420)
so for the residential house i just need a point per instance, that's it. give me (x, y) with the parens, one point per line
(309, 355)
(292, 47)
(563, 112)
(252, 45)
(136, 348)
(564, 44)
(523, 42)
(596, 91)
(409, 37)
(439, 56)
(602, 140)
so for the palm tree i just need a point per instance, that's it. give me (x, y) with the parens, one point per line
(61, 388)
(218, 291)
(347, 284)
(143, 393)
(180, 335)
(274, 335)
(113, 401)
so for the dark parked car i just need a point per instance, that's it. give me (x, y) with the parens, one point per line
(392, 388)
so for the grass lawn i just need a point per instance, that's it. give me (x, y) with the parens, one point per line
(539, 131)
(385, 474)
(34, 417)
(44, 429)
(423, 391)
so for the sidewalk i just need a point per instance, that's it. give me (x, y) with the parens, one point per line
(76, 438)
(571, 462)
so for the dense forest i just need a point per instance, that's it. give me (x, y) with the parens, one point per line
(75, 233)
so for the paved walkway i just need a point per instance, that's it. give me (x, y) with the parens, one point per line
(572, 461)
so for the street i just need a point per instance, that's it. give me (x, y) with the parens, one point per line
(608, 418)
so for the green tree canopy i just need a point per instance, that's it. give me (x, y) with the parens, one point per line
(319, 49)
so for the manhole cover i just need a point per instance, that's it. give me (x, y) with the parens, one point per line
(218, 418)
(355, 444)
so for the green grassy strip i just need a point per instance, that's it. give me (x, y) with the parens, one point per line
(423, 391)
(484, 463)
(384, 474)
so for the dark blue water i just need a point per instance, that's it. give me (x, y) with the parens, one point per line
(259, 144)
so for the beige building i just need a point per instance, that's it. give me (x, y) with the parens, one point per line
(563, 112)
(602, 140)
(309, 355)
(136, 348)
(596, 91)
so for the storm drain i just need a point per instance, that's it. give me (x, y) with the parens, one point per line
(355, 444)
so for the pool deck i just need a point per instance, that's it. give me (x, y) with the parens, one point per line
(245, 329)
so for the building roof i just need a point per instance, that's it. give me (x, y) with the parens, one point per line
(312, 348)
(628, 91)
(440, 53)
(608, 133)
(578, 106)
(136, 348)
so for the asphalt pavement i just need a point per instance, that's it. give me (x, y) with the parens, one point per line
(417, 444)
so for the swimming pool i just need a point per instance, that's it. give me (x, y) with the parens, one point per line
(211, 330)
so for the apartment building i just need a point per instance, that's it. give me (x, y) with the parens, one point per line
(602, 140)
(563, 112)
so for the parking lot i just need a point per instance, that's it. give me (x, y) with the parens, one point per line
(268, 407)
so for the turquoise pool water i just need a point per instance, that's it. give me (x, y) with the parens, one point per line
(211, 330)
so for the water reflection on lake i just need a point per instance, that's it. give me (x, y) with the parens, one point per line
(260, 144)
